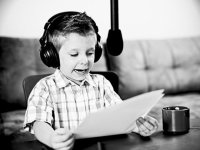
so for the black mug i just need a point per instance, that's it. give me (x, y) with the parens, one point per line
(176, 119)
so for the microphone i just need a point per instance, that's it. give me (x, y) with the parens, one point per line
(114, 40)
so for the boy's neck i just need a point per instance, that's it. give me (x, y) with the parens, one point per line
(78, 82)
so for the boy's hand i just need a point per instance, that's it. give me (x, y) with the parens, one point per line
(146, 125)
(62, 139)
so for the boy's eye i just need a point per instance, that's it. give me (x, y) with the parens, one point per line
(91, 53)
(74, 55)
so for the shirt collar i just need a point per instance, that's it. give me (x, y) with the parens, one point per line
(89, 80)
(62, 81)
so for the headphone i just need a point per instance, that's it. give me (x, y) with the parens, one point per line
(48, 52)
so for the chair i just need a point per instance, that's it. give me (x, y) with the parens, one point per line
(30, 81)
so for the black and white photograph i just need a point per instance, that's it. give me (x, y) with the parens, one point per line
(99, 74)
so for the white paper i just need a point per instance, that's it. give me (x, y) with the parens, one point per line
(119, 118)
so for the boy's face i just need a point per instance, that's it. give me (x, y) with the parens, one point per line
(77, 55)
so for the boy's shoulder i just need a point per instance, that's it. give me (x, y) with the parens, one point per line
(46, 79)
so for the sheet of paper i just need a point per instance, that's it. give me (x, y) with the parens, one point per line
(118, 119)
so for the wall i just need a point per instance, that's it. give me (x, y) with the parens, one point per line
(139, 19)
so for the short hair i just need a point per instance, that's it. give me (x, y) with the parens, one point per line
(79, 23)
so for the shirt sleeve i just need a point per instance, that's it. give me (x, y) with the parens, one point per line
(110, 96)
(39, 107)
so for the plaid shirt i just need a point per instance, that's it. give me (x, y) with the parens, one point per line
(62, 103)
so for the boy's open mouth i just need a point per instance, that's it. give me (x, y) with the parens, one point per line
(82, 71)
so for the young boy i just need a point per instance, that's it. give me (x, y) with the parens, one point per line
(59, 102)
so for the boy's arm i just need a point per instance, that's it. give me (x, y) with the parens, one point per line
(109, 94)
(57, 139)
(43, 132)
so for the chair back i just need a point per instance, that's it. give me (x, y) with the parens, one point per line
(30, 81)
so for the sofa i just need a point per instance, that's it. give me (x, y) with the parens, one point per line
(143, 66)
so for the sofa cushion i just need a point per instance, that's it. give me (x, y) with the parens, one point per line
(146, 65)
(17, 60)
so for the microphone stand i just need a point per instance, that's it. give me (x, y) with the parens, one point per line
(114, 40)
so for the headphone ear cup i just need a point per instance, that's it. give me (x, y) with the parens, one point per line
(49, 55)
(98, 52)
